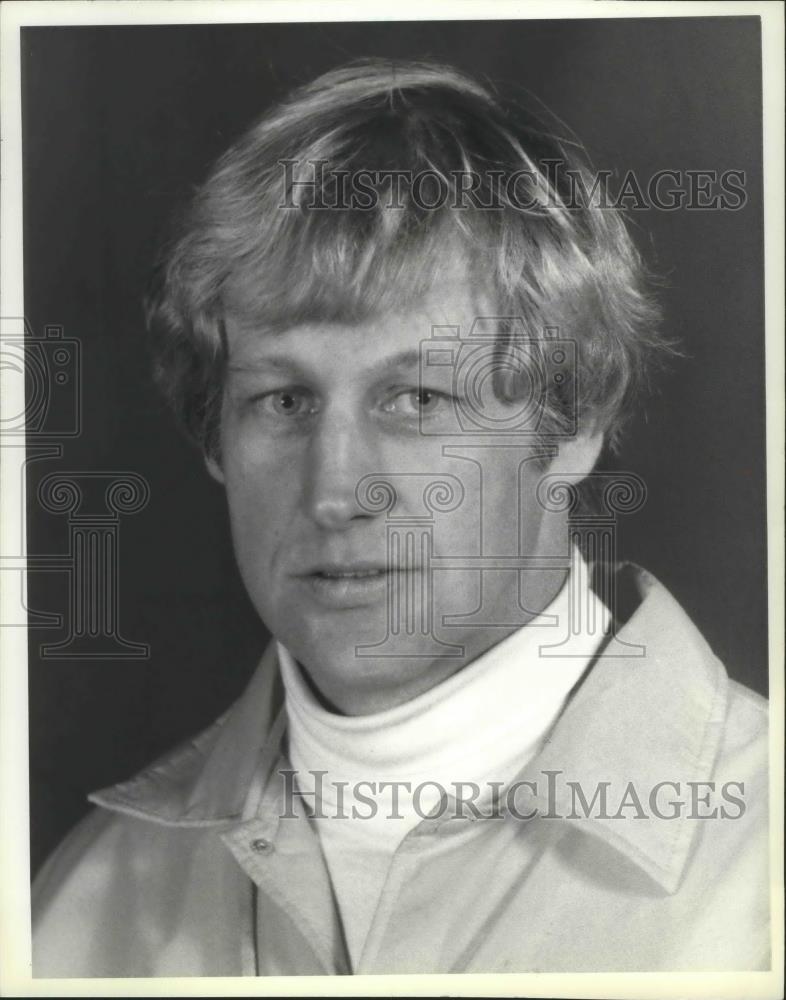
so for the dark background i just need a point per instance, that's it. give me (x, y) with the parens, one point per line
(120, 123)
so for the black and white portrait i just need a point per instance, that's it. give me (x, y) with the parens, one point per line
(390, 482)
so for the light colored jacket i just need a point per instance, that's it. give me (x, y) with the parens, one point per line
(189, 869)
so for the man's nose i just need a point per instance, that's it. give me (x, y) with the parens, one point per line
(341, 453)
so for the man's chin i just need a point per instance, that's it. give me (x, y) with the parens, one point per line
(359, 679)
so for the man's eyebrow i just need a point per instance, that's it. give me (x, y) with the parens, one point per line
(285, 363)
(257, 366)
(404, 359)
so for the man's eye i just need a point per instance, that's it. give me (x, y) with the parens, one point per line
(417, 402)
(287, 403)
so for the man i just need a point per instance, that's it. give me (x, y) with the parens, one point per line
(401, 326)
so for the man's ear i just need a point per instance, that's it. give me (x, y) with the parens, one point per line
(578, 456)
(214, 468)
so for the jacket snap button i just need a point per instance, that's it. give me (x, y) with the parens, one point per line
(261, 846)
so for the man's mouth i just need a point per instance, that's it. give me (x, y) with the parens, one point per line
(350, 574)
(341, 587)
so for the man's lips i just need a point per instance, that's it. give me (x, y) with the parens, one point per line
(350, 572)
(359, 570)
(349, 585)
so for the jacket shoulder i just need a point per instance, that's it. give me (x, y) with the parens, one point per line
(122, 896)
(68, 897)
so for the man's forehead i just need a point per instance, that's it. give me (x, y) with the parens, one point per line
(374, 347)
(390, 335)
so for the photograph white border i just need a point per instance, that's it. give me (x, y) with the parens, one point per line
(15, 960)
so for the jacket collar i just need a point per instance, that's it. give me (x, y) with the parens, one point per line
(635, 720)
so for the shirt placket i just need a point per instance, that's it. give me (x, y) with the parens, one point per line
(427, 919)
(295, 923)
(395, 922)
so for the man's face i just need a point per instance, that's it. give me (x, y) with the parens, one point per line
(330, 565)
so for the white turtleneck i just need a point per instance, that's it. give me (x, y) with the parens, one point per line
(482, 724)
